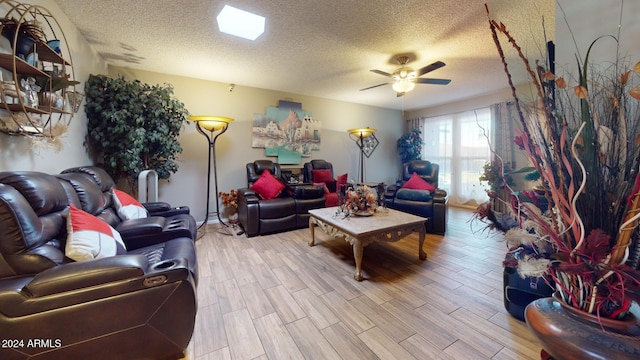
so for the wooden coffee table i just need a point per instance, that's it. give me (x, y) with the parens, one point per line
(361, 231)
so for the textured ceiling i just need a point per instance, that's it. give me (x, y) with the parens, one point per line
(322, 48)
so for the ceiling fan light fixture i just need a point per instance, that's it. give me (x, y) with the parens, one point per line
(403, 86)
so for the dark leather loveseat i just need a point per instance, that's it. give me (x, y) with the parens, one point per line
(288, 211)
(434, 208)
(137, 304)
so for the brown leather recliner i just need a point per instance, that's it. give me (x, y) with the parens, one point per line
(156, 208)
(288, 211)
(91, 189)
(141, 304)
(319, 164)
(434, 208)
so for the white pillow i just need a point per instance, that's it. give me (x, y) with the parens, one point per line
(127, 207)
(90, 238)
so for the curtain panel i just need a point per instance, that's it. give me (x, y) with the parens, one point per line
(503, 148)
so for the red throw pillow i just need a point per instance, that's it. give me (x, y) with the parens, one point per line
(417, 183)
(342, 180)
(267, 186)
(322, 176)
(88, 237)
(128, 207)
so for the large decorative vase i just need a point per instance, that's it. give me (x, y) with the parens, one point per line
(569, 333)
(24, 44)
(233, 218)
(519, 292)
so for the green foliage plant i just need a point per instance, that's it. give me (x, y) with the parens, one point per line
(410, 146)
(133, 127)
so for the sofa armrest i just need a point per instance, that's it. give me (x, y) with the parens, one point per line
(138, 227)
(249, 211)
(439, 196)
(164, 209)
(156, 206)
(391, 190)
(249, 196)
(85, 274)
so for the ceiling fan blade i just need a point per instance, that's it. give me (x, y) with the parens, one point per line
(382, 73)
(400, 94)
(435, 66)
(433, 81)
(374, 86)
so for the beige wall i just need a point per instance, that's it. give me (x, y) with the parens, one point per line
(233, 149)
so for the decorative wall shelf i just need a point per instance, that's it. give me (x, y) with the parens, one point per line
(19, 115)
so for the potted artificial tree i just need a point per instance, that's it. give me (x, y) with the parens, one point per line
(410, 146)
(133, 127)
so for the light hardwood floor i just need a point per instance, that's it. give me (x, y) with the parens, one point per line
(274, 297)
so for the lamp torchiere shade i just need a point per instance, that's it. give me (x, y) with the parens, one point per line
(362, 132)
(210, 122)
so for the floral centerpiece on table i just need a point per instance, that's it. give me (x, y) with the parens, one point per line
(582, 138)
(230, 199)
(360, 199)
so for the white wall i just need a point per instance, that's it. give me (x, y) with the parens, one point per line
(18, 153)
(233, 148)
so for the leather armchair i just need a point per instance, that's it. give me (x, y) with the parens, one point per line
(435, 208)
(307, 172)
(286, 212)
(141, 304)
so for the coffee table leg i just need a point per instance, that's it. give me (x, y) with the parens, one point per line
(421, 253)
(357, 254)
(312, 222)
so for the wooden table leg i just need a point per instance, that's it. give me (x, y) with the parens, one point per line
(421, 234)
(358, 249)
(312, 223)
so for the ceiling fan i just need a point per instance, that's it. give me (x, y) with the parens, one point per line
(406, 78)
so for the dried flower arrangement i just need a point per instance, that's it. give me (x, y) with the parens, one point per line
(229, 199)
(582, 139)
(360, 199)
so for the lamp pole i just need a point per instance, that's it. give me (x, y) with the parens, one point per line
(360, 136)
(361, 146)
(212, 127)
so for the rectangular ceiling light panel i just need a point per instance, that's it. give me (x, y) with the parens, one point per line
(240, 23)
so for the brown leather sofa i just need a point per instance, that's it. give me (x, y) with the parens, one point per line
(140, 304)
(91, 188)
(288, 211)
(435, 209)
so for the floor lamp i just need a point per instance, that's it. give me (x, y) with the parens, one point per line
(367, 142)
(212, 127)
